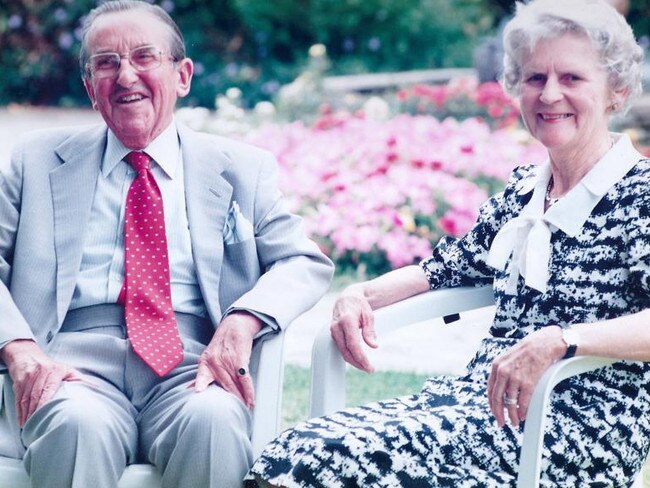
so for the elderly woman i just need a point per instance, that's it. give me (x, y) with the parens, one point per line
(567, 248)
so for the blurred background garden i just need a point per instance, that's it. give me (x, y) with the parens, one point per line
(384, 116)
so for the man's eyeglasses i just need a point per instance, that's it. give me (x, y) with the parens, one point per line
(106, 65)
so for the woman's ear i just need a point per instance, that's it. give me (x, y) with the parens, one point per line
(618, 99)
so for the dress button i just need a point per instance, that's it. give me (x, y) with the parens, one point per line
(49, 336)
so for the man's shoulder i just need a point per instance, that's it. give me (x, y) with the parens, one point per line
(52, 137)
(233, 148)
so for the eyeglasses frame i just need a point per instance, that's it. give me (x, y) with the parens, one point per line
(122, 56)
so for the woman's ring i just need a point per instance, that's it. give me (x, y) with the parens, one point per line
(242, 371)
(509, 401)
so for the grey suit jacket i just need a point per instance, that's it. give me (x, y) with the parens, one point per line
(46, 196)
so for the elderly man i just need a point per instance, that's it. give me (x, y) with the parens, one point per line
(138, 262)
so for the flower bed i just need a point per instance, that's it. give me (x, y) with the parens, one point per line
(378, 186)
(378, 194)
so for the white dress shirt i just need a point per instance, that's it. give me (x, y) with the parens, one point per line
(102, 265)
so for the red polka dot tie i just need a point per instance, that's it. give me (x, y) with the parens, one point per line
(146, 293)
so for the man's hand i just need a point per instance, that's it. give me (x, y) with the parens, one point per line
(515, 373)
(228, 351)
(353, 320)
(35, 375)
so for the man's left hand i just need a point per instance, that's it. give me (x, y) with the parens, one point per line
(515, 373)
(228, 352)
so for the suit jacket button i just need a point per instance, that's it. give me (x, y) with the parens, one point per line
(49, 336)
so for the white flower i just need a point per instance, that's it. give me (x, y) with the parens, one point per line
(376, 108)
(317, 51)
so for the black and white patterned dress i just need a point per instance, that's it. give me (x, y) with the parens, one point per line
(445, 436)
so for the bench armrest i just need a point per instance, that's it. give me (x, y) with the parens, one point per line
(531, 451)
(327, 392)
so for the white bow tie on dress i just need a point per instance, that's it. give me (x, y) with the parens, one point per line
(527, 238)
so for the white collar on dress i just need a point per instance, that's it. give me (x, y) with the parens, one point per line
(527, 237)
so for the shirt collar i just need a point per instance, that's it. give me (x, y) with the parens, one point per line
(573, 209)
(164, 150)
(525, 241)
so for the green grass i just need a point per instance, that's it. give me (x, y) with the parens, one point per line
(360, 388)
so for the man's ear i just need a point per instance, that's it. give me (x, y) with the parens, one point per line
(185, 70)
(90, 91)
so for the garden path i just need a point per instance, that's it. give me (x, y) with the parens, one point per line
(411, 350)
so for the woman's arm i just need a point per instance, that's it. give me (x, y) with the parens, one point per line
(625, 337)
(353, 320)
(515, 373)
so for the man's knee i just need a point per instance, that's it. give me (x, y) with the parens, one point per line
(217, 411)
(72, 416)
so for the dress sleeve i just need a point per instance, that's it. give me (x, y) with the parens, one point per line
(462, 261)
(638, 232)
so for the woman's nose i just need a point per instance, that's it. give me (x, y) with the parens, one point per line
(551, 92)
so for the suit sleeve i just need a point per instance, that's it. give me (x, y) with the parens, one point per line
(12, 323)
(295, 273)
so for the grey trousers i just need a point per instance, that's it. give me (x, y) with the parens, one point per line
(88, 433)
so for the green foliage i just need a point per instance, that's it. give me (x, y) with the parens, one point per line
(256, 46)
(361, 388)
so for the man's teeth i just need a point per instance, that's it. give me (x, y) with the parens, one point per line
(130, 98)
(555, 117)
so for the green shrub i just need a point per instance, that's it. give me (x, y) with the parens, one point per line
(254, 45)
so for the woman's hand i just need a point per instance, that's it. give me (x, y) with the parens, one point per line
(352, 321)
(515, 373)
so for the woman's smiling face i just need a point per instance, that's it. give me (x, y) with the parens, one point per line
(565, 97)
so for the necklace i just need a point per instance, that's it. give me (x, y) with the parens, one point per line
(549, 200)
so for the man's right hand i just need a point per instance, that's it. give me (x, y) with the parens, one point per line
(36, 377)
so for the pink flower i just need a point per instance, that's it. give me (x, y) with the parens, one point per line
(385, 191)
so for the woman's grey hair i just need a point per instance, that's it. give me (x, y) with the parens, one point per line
(176, 44)
(610, 34)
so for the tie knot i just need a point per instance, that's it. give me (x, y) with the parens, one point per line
(139, 160)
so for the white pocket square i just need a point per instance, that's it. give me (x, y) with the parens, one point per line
(237, 228)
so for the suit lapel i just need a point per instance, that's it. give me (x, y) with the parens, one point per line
(207, 196)
(73, 188)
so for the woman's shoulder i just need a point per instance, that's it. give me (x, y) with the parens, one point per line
(637, 178)
(641, 169)
(522, 180)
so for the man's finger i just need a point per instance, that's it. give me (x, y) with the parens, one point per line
(36, 394)
(247, 390)
(203, 378)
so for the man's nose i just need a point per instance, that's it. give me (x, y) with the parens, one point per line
(126, 73)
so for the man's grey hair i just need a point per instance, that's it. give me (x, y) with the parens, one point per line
(608, 31)
(176, 43)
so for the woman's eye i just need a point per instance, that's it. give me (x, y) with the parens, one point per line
(570, 78)
(536, 79)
